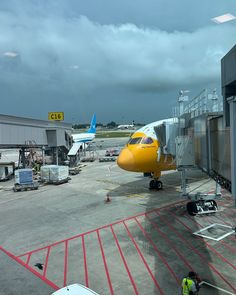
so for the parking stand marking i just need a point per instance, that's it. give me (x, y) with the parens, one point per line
(105, 264)
(132, 233)
(169, 242)
(143, 259)
(46, 262)
(206, 243)
(65, 262)
(17, 259)
(85, 263)
(199, 254)
(124, 261)
(157, 251)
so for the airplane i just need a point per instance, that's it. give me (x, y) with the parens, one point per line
(127, 126)
(87, 136)
(82, 139)
(142, 153)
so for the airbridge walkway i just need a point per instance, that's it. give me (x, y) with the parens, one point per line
(26, 134)
(18, 132)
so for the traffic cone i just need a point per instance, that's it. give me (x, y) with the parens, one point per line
(108, 198)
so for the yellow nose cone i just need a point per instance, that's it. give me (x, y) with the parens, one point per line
(126, 160)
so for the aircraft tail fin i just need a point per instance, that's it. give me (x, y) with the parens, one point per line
(92, 128)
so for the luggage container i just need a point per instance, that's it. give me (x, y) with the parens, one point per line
(54, 174)
(24, 176)
(24, 180)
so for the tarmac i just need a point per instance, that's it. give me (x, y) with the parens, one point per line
(140, 242)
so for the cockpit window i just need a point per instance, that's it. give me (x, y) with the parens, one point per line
(147, 140)
(135, 140)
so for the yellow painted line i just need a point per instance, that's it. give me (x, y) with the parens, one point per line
(135, 196)
(108, 181)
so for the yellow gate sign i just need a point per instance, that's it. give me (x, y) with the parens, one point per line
(56, 116)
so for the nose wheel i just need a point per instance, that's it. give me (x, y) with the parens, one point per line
(155, 184)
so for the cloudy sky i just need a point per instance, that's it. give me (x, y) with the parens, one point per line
(124, 60)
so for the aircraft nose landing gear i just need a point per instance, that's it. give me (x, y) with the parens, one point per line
(155, 184)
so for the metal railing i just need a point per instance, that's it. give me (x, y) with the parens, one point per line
(204, 102)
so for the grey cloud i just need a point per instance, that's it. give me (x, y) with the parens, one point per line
(77, 57)
(121, 53)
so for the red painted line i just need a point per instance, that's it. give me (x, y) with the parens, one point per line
(157, 251)
(203, 241)
(28, 259)
(229, 215)
(171, 244)
(30, 252)
(29, 268)
(46, 262)
(198, 253)
(105, 264)
(144, 261)
(230, 210)
(124, 261)
(85, 263)
(229, 247)
(222, 219)
(102, 227)
(65, 263)
(211, 192)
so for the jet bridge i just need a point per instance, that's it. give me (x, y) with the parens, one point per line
(28, 134)
(205, 137)
(187, 140)
(166, 134)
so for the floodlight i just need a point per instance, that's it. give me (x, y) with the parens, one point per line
(10, 54)
(223, 18)
(74, 67)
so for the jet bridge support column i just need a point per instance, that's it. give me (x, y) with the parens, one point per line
(56, 155)
(232, 103)
(43, 155)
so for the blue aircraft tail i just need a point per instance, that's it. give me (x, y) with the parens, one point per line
(93, 123)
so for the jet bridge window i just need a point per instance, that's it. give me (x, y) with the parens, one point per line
(147, 140)
(135, 140)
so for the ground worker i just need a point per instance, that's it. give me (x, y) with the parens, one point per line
(190, 284)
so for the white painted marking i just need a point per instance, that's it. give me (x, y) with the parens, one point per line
(218, 288)
(198, 233)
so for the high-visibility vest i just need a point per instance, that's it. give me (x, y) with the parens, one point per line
(186, 285)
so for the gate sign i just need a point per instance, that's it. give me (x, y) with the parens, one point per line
(56, 116)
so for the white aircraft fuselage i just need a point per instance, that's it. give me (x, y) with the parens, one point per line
(83, 137)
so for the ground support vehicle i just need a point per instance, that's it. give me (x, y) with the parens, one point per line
(107, 159)
(74, 170)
